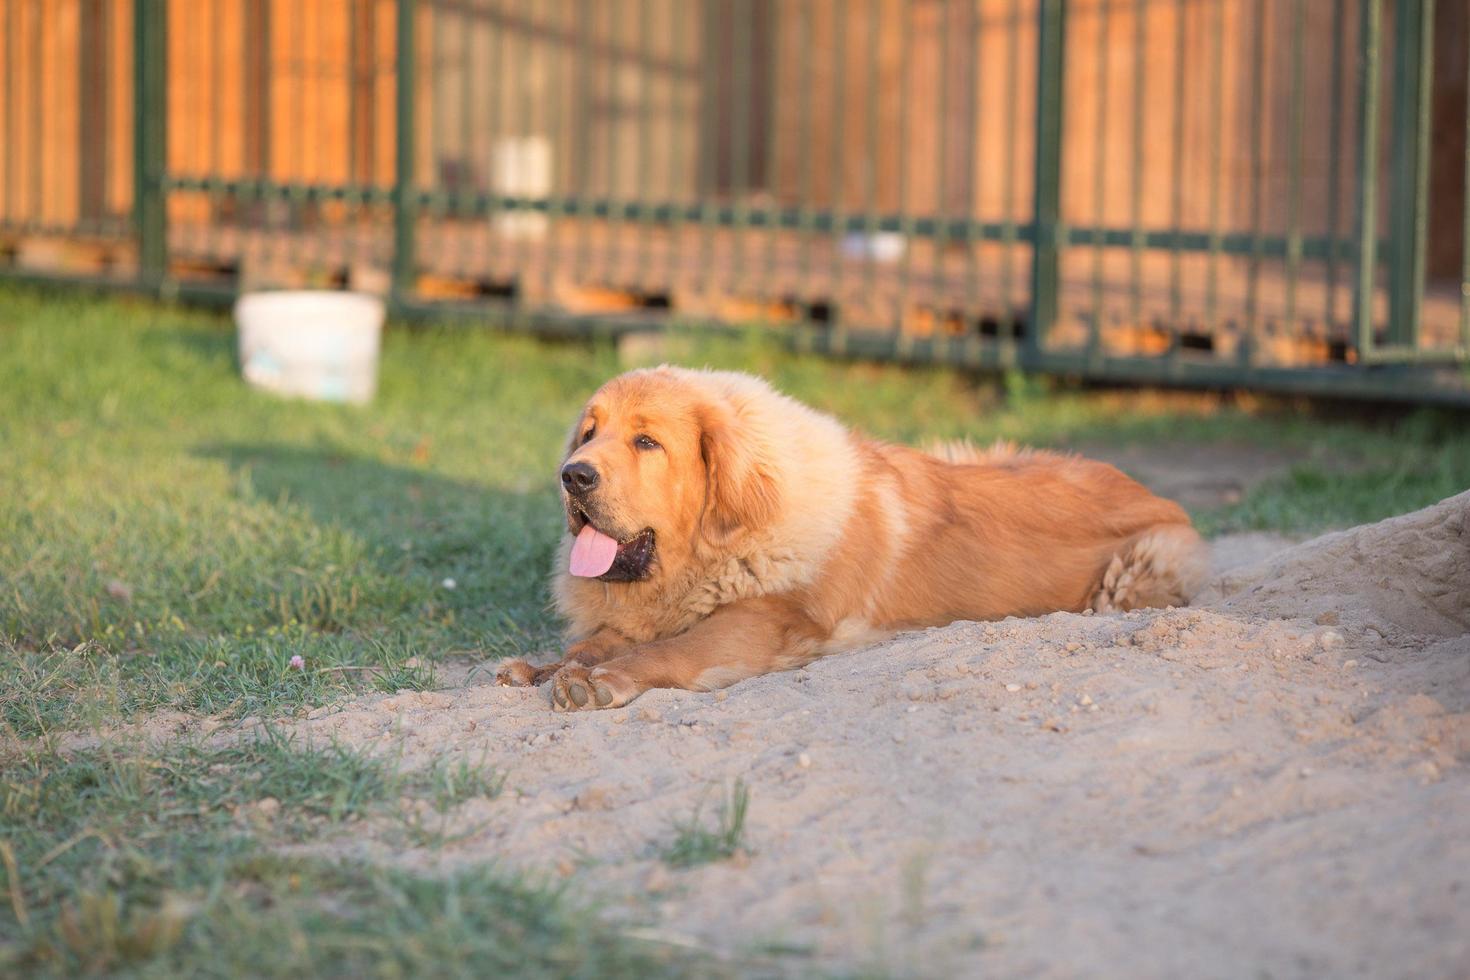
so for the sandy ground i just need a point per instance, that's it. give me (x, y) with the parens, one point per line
(1271, 782)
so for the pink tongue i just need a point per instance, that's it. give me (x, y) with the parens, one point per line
(592, 553)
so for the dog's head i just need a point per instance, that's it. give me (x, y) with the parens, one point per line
(661, 465)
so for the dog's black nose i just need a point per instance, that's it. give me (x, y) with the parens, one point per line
(578, 478)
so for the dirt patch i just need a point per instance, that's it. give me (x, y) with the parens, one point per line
(1270, 782)
(1198, 476)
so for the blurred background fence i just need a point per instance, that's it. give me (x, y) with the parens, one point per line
(1260, 192)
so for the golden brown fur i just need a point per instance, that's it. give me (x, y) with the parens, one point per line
(781, 536)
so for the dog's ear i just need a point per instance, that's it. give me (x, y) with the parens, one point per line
(741, 491)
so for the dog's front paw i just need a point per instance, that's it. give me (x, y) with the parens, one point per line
(579, 688)
(515, 673)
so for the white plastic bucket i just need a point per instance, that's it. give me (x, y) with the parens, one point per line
(311, 343)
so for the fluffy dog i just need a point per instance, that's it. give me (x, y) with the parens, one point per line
(718, 530)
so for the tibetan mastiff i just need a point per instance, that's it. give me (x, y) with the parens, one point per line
(717, 530)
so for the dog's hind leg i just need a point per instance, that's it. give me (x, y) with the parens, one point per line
(1162, 566)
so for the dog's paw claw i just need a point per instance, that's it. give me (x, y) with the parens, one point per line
(579, 688)
(515, 673)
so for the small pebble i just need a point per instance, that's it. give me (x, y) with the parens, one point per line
(1013, 688)
(1329, 640)
(648, 714)
(804, 760)
(1085, 700)
(1349, 664)
(450, 584)
(1328, 618)
(721, 695)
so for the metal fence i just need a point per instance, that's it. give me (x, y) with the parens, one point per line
(1264, 192)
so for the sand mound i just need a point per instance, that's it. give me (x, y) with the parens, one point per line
(1271, 782)
(1410, 574)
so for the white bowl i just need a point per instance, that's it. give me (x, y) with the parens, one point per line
(311, 343)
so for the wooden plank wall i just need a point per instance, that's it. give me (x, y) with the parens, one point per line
(321, 109)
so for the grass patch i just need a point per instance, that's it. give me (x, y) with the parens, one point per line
(695, 844)
(450, 784)
(120, 862)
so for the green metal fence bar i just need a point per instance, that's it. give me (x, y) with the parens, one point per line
(708, 141)
(1250, 342)
(1408, 209)
(941, 154)
(1465, 232)
(1135, 211)
(555, 116)
(465, 140)
(804, 43)
(12, 169)
(645, 134)
(740, 138)
(905, 192)
(1051, 33)
(1334, 150)
(1008, 172)
(1099, 175)
(1296, 127)
(480, 204)
(496, 78)
(291, 245)
(613, 115)
(1176, 157)
(677, 163)
(217, 108)
(774, 145)
(839, 62)
(1369, 41)
(972, 102)
(405, 200)
(870, 165)
(584, 128)
(150, 137)
(524, 115)
(38, 124)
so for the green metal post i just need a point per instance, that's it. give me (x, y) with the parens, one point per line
(1051, 35)
(405, 204)
(1408, 208)
(1367, 203)
(150, 138)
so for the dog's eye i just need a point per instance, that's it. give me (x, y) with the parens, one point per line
(644, 442)
(587, 436)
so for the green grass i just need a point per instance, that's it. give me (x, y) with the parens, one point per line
(171, 539)
(119, 861)
(695, 844)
